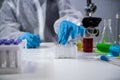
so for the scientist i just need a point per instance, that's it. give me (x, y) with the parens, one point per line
(39, 20)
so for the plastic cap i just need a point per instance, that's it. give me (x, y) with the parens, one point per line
(11, 40)
(18, 41)
(115, 50)
(104, 58)
(2, 41)
(7, 42)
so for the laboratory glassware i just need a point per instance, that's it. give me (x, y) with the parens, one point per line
(107, 34)
(88, 44)
(107, 38)
(79, 43)
(118, 28)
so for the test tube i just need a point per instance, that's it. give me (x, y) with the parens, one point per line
(6, 56)
(3, 55)
(12, 54)
(16, 56)
(3, 59)
(12, 59)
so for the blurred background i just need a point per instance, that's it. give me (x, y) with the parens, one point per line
(105, 9)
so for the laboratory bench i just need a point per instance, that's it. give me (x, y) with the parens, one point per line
(42, 64)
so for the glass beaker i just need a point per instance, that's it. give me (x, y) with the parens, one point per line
(88, 44)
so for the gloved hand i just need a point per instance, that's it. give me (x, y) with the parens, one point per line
(33, 40)
(67, 29)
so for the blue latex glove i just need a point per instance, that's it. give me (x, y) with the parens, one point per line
(33, 40)
(67, 29)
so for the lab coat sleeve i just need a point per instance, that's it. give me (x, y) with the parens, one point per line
(69, 13)
(9, 26)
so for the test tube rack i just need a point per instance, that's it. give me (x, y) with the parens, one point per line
(66, 51)
(10, 58)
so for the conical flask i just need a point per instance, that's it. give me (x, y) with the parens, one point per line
(107, 38)
(107, 34)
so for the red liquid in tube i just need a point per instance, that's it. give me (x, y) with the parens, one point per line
(87, 44)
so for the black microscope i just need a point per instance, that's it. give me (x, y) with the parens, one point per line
(89, 22)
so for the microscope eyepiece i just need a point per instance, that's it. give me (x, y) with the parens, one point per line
(88, 2)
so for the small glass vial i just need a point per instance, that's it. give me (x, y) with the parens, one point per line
(79, 43)
(79, 46)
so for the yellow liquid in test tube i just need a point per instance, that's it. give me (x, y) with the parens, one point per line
(119, 57)
(79, 46)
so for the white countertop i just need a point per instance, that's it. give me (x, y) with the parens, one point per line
(41, 64)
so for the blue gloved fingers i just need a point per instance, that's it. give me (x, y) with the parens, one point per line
(68, 28)
(66, 36)
(30, 43)
(62, 31)
(81, 30)
(62, 36)
(74, 31)
(33, 40)
(37, 38)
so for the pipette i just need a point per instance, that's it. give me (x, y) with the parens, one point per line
(111, 60)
